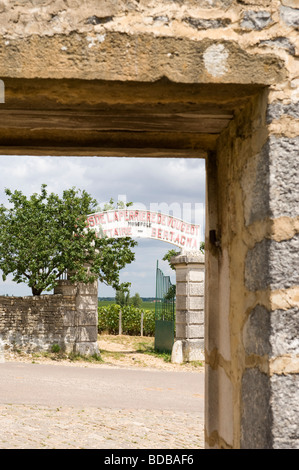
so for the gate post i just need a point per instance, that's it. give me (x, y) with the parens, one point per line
(189, 336)
(82, 323)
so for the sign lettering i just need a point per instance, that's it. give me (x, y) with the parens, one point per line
(145, 224)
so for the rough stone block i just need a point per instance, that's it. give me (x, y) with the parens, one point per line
(86, 333)
(181, 274)
(69, 318)
(280, 43)
(65, 288)
(200, 23)
(256, 20)
(190, 317)
(256, 419)
(182, 331)
(182, 302)
(256, 332)
(196, 303)
(196, 331)
(196, 289)
(285, 411)
(272, 264)
(270, 180)
(290, 16)
(197, 275)
(284, 176)
(87, 348)
(85, 302)
(284, 332)
(87, 317)
(88, 289)
(193, 350)
(278, 109)
(181, 288)
(177, 352)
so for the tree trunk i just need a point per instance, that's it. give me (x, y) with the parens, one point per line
(36, 291)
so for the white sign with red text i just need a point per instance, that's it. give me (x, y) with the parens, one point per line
(145, 224)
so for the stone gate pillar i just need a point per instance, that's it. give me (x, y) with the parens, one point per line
(189, 337)
(81, 325)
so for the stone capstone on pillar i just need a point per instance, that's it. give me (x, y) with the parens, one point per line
(189, 339)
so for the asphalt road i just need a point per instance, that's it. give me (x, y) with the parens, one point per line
(70, 407)
(61, 385)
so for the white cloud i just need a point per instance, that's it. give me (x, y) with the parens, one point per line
(166, 182)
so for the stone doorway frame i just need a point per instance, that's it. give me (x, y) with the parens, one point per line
(243, 376)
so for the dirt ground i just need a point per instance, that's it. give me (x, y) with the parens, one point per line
(116, 351)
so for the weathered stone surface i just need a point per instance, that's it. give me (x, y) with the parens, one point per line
(196, 288)
(281, 43)
(290, 16)
(272, 176)
(278, 109)
(256, 419)
(284, 176)
(285, 409)
(87, 348)
(256, 332)
(272, 264)
(186, 61)
(290, 3)
(35, 323)
(256, 20)
(271, 333)
(199, 23)
(284, 332)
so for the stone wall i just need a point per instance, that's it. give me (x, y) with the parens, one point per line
(252, 324)
(220, 47)
(141, 40)
(67, 318)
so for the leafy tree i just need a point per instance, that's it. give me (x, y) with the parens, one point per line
(111, 205)
(173, 252)
(171, 292)
(136, 301)
(122, 295)
(169, 255)
(44, 235)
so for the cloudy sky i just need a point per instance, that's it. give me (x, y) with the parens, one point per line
(171, 186)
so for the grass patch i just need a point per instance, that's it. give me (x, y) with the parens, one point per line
(112, 354)
(80, 357)
(146, 348)
(196, 363)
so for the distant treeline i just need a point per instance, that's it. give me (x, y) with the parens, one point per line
(112, 299)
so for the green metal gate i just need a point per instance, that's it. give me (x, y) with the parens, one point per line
(164, 312)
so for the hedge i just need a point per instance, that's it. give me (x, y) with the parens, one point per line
(108, 320)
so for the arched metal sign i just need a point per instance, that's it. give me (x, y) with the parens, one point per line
(145, 224)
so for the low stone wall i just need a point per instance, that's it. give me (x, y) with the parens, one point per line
(67, 318)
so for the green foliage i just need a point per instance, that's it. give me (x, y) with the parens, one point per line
(173, 252)
(55, 348)
(43, 236)
(136, 300)
(122, 295)
(108, 320)
(169, 255)
(111, 205)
